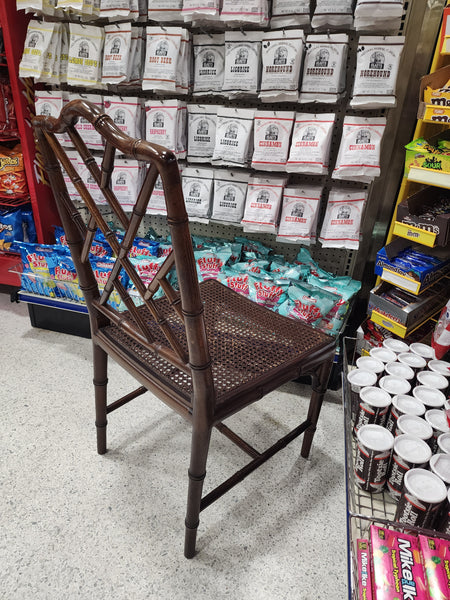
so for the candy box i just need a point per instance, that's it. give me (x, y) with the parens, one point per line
(436, 561)
(364, 573)
(397, 569)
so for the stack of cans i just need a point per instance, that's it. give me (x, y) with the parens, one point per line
(399, 412)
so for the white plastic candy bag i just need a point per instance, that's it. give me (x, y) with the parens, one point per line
(360, 148)
(271, 139)
(262, 206)
(324, 68)
(299, 212)
(230, 191)
(282, 54)
(378, 61)
(311, 141)
(342, 221)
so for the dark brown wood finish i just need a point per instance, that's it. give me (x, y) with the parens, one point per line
(204, 350)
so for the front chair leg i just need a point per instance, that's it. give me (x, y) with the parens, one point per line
(100, 385)
(319, 387)
(196, 472)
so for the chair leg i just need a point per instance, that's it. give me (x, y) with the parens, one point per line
(100, 385)
(197, 472)
(319, 387)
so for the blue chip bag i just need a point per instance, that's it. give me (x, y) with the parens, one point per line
(102, 268)
(143, 247)
(37, 260)
(65, 276)
(10, 226)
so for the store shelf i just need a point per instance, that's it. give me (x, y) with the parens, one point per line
(406, 283)
(429, 177)
(60, 303)
(415, 234)
(394, 327)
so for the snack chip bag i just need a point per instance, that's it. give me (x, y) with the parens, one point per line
(210, 263)
(29, 225)
(10, 226)
(64, 274)
(36, 276)
(397, 568)
(13, 183)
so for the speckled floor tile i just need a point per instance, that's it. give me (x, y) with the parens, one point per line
(76, 525)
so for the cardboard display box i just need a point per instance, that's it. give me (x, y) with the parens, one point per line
(412, 212)
(403, 312)
(411, 277)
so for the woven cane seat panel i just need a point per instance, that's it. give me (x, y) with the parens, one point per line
(246, 341)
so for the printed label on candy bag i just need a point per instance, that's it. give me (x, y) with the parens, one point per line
(209, 264)
(85, 55)
(397, 567)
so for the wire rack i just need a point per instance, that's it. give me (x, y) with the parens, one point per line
(364, 509)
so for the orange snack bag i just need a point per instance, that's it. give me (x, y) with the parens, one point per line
(13, 182)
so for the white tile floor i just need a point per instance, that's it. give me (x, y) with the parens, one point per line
(76, 525)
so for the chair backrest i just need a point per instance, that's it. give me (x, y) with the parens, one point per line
(186, 347)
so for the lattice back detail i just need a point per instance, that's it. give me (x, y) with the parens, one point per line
(80, 235)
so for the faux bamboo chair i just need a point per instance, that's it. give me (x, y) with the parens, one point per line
(204, 350)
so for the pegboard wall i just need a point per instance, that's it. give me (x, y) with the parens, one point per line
(338, 261)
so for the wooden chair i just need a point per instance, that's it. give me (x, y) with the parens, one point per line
(204, 350)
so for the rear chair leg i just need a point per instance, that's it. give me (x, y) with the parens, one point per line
(197, 472)
(319, 387)
(100, 384)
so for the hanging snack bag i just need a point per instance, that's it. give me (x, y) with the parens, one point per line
(49, 104)
(135, 59)
(116, 53)
(290, 13)
(37, 42)
(126, 113)
(87, 131)
(126, 181)
(324, 68)
(84, 65)
(333, 14)
(115, 9)
(263, 203)
(157, 202)
(197, 190)
(13, 181)
(64, 53)
(359, 151)
(195, 10)
(183, 73)
(161, 122)
(91, 185)
(311, 141)
(72, 155)
(181, 148)
(209, 61)
(165, 10)
(235, 12)
(210, 263)
(28, 225)
(201, 131)
(282, 54)
(307, 303)
(38, 7)
(162, 52)
(11, 229)
(299, 212)
(377, 65)
(242, 63)
(230, 191)
(378, 15)
(271, 139)
(50, 67)
(342, 221)
(233, 134)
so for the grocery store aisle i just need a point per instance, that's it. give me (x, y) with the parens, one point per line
(78, 525)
